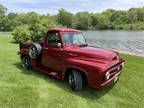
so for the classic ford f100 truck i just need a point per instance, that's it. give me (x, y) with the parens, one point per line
(64, 54)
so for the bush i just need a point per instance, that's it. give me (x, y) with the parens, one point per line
(34, 30)
(37, 31)
(21, 34)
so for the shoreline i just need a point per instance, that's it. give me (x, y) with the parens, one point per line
(129, 53)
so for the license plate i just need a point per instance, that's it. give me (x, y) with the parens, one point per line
(115, 79)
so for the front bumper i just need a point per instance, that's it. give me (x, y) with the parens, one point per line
(113, 79)
(110, 81)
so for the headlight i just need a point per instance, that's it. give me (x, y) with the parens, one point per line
(118, 57)
(123, 64)
(107, 75)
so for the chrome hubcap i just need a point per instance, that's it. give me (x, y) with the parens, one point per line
(71, 79)
(32, 52)
(25, 63)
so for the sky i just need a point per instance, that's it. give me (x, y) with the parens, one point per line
(52, 6)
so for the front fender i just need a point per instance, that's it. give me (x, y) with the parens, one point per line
(91, 68)
(86, 64)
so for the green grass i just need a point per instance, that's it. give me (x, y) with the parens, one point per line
(31, 89)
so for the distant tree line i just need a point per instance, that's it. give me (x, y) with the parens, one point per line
(33, 25)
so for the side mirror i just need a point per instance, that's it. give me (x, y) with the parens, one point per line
(59, 45)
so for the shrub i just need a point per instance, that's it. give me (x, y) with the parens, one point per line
(21, 34)
(37, 31)
(33, 31)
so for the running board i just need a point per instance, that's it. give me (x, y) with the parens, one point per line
(47, 71)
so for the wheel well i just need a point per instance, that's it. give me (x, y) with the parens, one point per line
(23, 55)
(69, 70)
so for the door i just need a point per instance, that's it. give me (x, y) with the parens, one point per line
(53, 56)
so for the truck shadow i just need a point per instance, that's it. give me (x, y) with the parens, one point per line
(85, 93)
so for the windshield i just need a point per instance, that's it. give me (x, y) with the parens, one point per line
(73, 39)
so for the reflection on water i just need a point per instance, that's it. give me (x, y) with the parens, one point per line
(132, 41)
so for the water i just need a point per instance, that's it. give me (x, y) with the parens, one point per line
(5, 33)
(131, 41)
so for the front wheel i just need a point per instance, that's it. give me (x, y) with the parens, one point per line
(26, 63)
(75, 80)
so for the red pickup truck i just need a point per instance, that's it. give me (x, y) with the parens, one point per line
(64, 54)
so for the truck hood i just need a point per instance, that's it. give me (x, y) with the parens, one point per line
(92, 52)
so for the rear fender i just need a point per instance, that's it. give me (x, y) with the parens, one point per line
(24, 51)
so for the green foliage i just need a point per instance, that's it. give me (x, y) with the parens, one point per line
(134, 26)
(37, 31)
(81, 20)
(93, 20)
(65, 18)
(132, 15)
(103, 22)
(21, 34)
(2, 9)
(34, 28)
(4, 25)
(133, 19)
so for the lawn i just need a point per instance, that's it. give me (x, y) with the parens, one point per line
(31, 89)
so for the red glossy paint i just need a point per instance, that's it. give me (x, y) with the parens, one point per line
(93, 62)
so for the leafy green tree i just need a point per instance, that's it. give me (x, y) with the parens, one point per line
(38, 25)
(65, 18)
(132, 15)
(2, 9)
(133, 19)
(140, 14)
(103, 22)
(12, 21)
(93, 21)
(82, 20)
(4, 25)
(21, 34)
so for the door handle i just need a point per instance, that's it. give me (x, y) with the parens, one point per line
(58, 54)
(71, 54)
(45, 48)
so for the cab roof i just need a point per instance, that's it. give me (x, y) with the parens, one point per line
(64, 30)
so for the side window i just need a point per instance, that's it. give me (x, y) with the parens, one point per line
(53, 39)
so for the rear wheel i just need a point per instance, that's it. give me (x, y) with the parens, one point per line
(75, 80)
(26, 63)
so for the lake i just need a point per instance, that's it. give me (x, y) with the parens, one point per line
(5, 33)
(131, 41)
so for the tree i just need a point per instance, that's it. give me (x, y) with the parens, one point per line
(103, 22)
(4, 24)
(82, 20)
(132, 15)
(93, 20)
(21, 34)
(39, 24)
(140, 14)
(34, 28)
(2, 9)
(65, 18)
